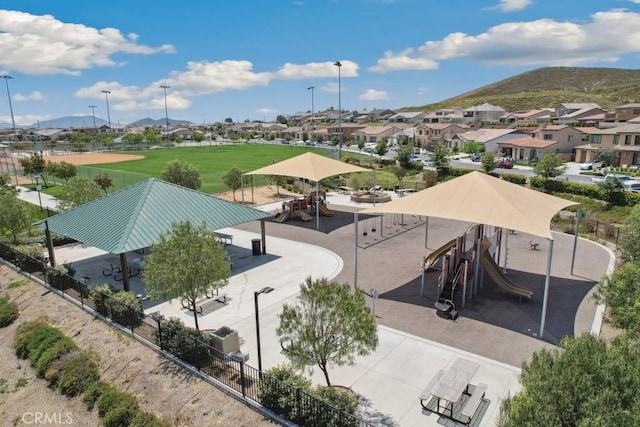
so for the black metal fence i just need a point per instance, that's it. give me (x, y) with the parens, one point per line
(292, 403)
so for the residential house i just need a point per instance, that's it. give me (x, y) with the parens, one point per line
(448, 115)
(489, 138)
(527, 149)
(438, 133)
(407, 117)
(49, 134)
(583, 113)
(567, 138)
(627, 112)
(375, 134)
(624, 138)
(347, 130)
(117, 130)
(486, 113)
(540, 115)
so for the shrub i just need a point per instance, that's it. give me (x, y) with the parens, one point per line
(339, 400)
(62, 346)
(23, 336)
(278, 389)
(78, 373)
(113, 399)
(8, 312)
(181, 341)
(120, 416)
(145, 419)
(514, 178)
(122, 307)
(94, 391)
(40, 341)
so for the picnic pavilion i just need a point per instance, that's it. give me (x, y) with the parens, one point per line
(480, 198)
(135, 217)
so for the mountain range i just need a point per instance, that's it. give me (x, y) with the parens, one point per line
(70, 122)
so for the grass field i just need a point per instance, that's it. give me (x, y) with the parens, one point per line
(213, 162)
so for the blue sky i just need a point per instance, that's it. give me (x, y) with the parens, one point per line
(255, 59)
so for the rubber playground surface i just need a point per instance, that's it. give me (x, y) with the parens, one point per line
(493, 324)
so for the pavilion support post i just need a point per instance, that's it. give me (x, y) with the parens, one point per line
(125, 271)
(317, 205)
(263, 235)
(47, 235)
(242, 188)
(426, 233)
(546, 288)
(422, 278)
(355, 250)
(575, 237)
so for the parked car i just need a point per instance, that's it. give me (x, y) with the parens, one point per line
(505, 164)
(284, 141)
(428, 162)
(589, 165)
(476, 157)
(629, 183)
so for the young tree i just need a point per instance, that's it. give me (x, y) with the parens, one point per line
(550, 166)
(621, 294)
(613, 189)
(489, 161)
(440, 160)
(329, 325)
(382, 148)
(182, 173)
(78, 192)
(104, 181)
(404, 156)
(400, 173)
(15, 215)
(361, 143)
(629, 244)
(187, 262)
(33, 165)
(63, 170)
(233, 180)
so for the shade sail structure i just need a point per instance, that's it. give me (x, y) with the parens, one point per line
(482, 199)
(311, 166)
(136, 217)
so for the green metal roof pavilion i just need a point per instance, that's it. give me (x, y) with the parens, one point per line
(135, 217)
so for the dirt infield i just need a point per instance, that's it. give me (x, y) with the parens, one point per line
(92, 158)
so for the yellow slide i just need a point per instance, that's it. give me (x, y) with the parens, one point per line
(433, 256)
(498, 277)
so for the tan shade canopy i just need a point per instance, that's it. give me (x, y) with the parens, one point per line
(482, 199)
(310, 166)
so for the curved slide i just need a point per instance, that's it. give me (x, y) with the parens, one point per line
(433, 256)
(497, 276)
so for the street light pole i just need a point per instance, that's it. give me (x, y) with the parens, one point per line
(339, 65)
(313, 117)
(166, 111)
(264, 290)
(106, 96)
(95, 132)
(38, 188)
(6, 78)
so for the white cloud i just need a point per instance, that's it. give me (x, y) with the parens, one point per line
(608, 36)
(513, 5)
(41, 45)
(267, 111)
(373, 95)
(332, 87)
(34, 96)
(317, 70)
(422, 91)
(25, 120)
(403, 61)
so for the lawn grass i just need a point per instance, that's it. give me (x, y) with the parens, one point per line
(213, 162)
(54, 190)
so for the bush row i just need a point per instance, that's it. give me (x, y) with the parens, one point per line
(122, 307)
(57, 359)
(280, 390)
(628, 198)
(8, 311)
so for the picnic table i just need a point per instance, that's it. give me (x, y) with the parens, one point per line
(449, 385)
(225, 239)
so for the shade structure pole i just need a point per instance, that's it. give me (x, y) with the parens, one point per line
(506, 252)
(546, 288)
(422, 270)
(242, 187)
(374, 187)
(125, 271)
(317, 206)
(426, 233)
(355, 250)
(575, 237)
(252, 190)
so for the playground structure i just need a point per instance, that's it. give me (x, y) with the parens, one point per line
(299, 208)
(459, 265)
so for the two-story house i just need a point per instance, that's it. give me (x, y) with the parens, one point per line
(583, 113)
(437, 133)
(482, 113)
(489, 138)
(626, 112)
(375, 134)
(448, 115)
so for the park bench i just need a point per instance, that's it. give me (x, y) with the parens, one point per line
(224, 239)
(533, 245)
(474, 401)
(217, 296)
(185, 304)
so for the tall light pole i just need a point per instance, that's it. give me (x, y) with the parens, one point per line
(13, 121)
(339, 65)
(106, 97)
(264, 290)
(95, 132)
(166, 111)
(313, 117)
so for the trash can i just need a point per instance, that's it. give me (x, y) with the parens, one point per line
(255, 247)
